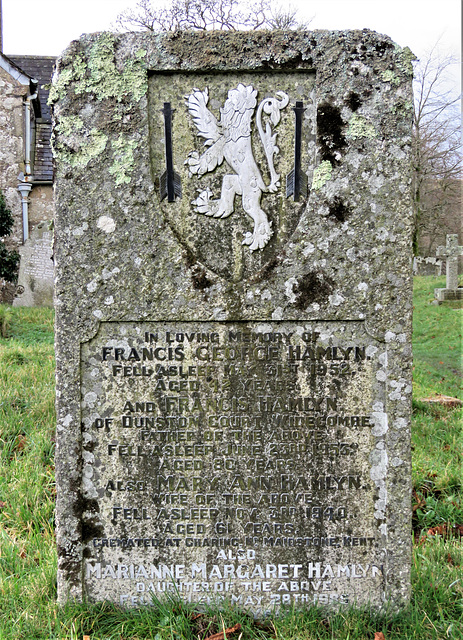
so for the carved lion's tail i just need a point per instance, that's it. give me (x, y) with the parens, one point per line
(271, 107)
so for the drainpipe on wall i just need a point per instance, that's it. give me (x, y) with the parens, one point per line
(25, 179)
(24, 189)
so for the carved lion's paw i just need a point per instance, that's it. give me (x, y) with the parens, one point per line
(260, 237)
(204, 205)
(248, 238)
(193, 162)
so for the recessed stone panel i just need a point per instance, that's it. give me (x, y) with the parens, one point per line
(250, 450)
(269, 101)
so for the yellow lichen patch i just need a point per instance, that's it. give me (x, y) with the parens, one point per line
(98, 74)
(359, 127)
(389, 76)
(321, 174)
(124, 160)
(91, 146)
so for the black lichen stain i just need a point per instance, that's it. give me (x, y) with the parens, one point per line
(72, 568)
(86, 529)
(200, 279)
(330, 135)
(383, 46)
(353, 101)
(91, 529)
(339, 209)
(312, 287)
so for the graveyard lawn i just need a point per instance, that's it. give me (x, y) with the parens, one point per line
(28, 606)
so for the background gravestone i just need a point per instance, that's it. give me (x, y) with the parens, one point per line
(451, 253)
(233, 303)
(35, 278)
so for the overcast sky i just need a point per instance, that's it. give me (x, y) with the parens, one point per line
(45, 27)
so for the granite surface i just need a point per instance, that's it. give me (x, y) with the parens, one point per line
(233, 361)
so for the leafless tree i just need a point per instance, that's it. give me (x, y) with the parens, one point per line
(228, 15)
(437, 153)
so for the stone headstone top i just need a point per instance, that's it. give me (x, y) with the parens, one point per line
(427, 266)
(450, 253)
(233, 304)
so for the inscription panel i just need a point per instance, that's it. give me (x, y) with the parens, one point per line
(233, 459)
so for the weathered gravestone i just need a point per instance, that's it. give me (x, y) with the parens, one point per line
(450, 253)
(35, 278)
(233, 253)
(427, 266)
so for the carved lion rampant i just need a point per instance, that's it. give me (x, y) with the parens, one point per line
(230, 140)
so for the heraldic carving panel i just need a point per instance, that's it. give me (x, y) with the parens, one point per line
(220, 146)
(230, 139)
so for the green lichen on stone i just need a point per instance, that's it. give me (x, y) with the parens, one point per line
(93, 144)
(99, 74)
(403, 107)
(359, 127)
(389, 76)
(68, 125)
(75, 72)
(106, 80)
(321, 174)
(58, 87)
(405, 57)
(124, 160)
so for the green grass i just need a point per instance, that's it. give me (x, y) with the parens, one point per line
(28, 608)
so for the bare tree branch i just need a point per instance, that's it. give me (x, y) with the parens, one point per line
(230, 15)
(437, 153)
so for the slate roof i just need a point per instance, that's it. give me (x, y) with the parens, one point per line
(43, 162)
(41, 69)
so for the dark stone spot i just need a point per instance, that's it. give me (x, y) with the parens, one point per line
(189, 258)
(382, 47)
(89, 446)
(198, 274)
(339, 210)
(200, 279)
(353, 101)
(312, 287)
(91, 530)
(331, 139)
